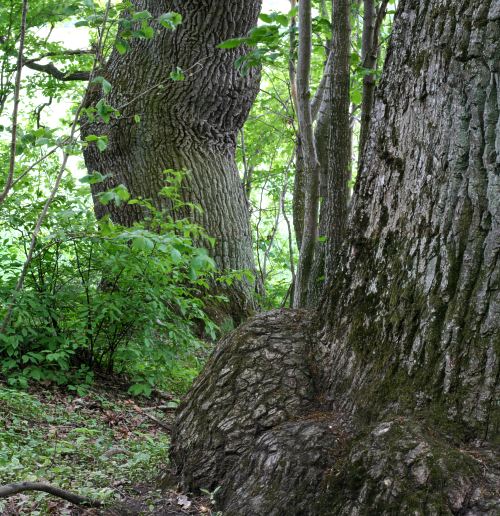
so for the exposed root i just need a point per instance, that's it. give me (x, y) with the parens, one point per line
(19, 487)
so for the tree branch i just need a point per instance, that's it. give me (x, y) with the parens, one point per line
(50, 69)
(372, 24)
(381, 13)
(78, 52)
(19, 487)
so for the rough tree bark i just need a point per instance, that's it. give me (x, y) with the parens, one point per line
(425, 220)
(386, 401)
(186, 125)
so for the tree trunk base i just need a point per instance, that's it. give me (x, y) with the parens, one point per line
(254, 425)
(281, 473)
(257, 378)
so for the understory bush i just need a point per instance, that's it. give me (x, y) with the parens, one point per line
(102, 297)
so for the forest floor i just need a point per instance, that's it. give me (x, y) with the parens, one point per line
(104, 445)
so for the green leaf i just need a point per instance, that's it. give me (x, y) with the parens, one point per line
(121, 46)
(106, 197)
(283, 20)
(266, 33)
(100, 141)
(141, 15)
(177, 74)
(106, 86)
(232, 43)
(141, 243)
(170, 20)
(140, 388)
(147, 31)
(176, 256)
(266, 18)
(118, 194)
(122, 192)
(201, 263)
(94, 178)
(102, 144)
(356, 96)
(105, 111)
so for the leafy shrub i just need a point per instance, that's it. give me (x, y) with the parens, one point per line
(103, 297)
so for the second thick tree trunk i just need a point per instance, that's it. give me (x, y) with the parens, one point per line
(187, 125)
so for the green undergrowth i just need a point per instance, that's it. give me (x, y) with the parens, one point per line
(101, 446)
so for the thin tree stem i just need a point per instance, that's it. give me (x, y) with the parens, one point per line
(17, 91)
(311, 165)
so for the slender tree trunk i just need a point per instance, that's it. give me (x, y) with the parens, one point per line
(333, 141)
(372, 23)
(5, 189)
(185, 125)
(367, 44)
(326, 156)
(299, 187)
(386, 402)
(308, 147)
(337, 190)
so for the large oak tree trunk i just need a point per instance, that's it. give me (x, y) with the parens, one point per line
(386, 401)
(415, 309)
(185, 125)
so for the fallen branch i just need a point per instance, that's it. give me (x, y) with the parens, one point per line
(166, 426)
(19, 487)
(160, 407)
(142, 411)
